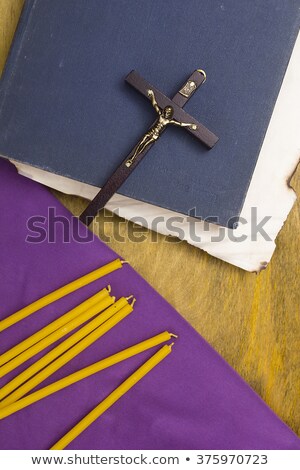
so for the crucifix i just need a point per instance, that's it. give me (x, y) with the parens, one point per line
(169, 112)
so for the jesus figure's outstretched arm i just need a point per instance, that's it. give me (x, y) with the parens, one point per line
(183, 124)
(153, 101)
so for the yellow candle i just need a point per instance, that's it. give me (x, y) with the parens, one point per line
(110, 318)
(59, 293)
(112, 398)
(55, 325)
(83, 373)
(56, 335)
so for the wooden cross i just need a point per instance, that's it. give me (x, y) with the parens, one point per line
(170, 112)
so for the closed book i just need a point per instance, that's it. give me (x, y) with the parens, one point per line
(65, 109)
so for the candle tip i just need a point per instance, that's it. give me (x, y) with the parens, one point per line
(133, 299)
(108, 288)
(171, 345)
(173, 336)
(124, 262)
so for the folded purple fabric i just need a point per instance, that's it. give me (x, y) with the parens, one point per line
(192, 400)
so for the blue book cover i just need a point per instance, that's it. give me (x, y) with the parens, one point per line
(65, 107)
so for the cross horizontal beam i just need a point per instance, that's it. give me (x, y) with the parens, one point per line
(202, 133)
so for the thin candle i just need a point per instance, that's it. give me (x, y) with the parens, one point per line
(61, 292)
(114, 319)
(53, 326)
(112, 398)
(56, 335)
(84, 373)
(62, 347)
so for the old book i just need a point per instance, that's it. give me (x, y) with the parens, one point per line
(67, 118)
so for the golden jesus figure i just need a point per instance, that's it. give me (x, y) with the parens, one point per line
(164, 119)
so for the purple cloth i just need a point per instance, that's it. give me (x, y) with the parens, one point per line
(192, 400)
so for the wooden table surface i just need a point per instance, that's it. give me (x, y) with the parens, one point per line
(252, 320)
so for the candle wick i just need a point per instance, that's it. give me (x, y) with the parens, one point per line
(108, 288)
(124, 262)
(133, 300)
(173, 336)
